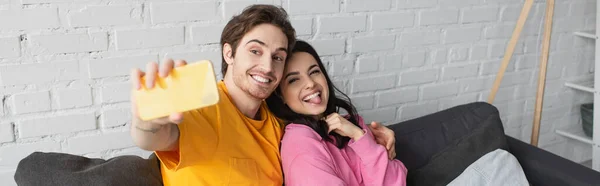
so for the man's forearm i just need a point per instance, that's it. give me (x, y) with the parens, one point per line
(153, 137)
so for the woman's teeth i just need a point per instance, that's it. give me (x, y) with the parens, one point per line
(261, 79)
(312, 96)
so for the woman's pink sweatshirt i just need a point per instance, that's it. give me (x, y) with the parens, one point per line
(310, 160)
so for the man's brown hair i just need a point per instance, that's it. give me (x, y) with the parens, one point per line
(252, 16)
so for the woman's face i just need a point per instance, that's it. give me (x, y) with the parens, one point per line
(304, 87)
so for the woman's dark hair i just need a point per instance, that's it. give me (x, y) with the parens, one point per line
(337, 99)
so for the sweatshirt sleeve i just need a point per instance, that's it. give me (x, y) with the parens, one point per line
(376, 167)
(311, 170)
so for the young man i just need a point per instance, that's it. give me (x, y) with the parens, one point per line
(237, 140)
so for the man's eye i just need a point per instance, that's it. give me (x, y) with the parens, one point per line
(254, 51)
(277, 58)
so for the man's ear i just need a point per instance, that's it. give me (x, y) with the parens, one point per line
(228, 53)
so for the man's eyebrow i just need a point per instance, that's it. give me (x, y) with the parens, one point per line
(290, 74)
(257, 41)
(264, 44)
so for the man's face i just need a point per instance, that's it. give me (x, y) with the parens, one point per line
(259, 60)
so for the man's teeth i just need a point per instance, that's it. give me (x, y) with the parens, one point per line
(260, 79)
(312, 96)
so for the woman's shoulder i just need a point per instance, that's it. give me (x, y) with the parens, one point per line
(294, 132)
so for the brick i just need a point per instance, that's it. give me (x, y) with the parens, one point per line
(366, 84)
(149, 38)
(43, 1)
(56, 125)
(329, 46)
(363, 102)
(489, 68)
(343, 67)
(102, 142)
(183, 11)
(6, 133)
(235, 7)
(418, 77)
(380, 21)
(410, 4)
(115, 117)
(298, 7)
(190, 57)
(398, 97)
(476, 85)
(413, 59)
(335, 24)
(480, 14)
(462, 71)
(302, 26)
(10, 47)
(527, 62)
(410, 39)
(372, 43)
(515, 78)
(31, 102)
(134, 151)
(479, 52)
(12, 155)
(68, 43)
(462, 35)
(503, 31)
(511, 13)
(74, 98)
(382, 116)
(39, 73)
(29, 19)
(414, 111)
(439, 91)
(438, 17)
(459, 3)
(440, 56)
(119, 66)
(447, 103)
(114, 93)
(7, 177)
(367, 5)
(459, 54)
(207, 34)
(503, 94)
(106, 15)
(392, 62)
(368, 64)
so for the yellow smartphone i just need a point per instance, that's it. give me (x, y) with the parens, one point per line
(186, 88)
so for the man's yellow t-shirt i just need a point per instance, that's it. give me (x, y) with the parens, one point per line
(218, 145)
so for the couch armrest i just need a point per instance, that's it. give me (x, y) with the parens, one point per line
(544, 168)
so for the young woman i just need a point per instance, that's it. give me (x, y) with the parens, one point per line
(321, 146)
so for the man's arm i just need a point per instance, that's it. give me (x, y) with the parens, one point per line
(384, 136)
(160, 134)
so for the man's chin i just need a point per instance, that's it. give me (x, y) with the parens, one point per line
(260, 93)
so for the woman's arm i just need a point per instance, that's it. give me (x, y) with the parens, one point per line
(311, 170)
(376, 167)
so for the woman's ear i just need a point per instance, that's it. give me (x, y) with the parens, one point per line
(228, 53)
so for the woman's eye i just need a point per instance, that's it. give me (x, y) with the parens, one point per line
(315, 72)
(292, 80)
(254, 51)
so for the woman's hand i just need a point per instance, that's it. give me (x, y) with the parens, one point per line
(343, 127)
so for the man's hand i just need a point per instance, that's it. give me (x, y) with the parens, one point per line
(384, 136)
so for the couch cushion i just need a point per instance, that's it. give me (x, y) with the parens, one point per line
(436, 148)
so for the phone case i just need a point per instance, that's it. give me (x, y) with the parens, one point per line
(186, 88)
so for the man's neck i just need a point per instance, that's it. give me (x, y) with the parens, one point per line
(247, 104)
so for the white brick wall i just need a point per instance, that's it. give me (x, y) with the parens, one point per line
(64, 64)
